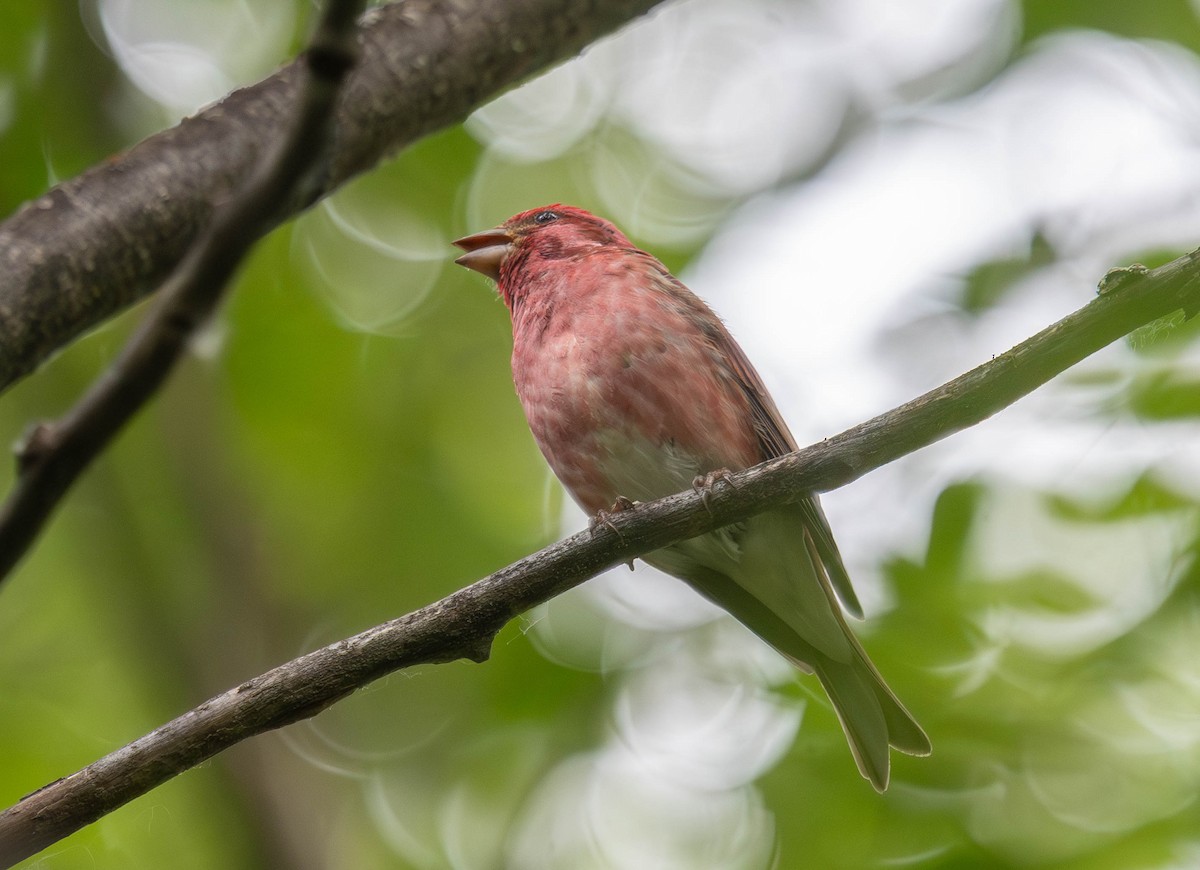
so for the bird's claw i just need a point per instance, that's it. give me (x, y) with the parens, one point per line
(704, 484)
(604, 518)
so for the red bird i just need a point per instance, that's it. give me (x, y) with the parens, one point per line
(634, 389)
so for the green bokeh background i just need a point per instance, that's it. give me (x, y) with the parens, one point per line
(299, 480)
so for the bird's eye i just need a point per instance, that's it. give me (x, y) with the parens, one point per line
(545, 217)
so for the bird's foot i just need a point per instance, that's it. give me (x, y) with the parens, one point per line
(604, 518)
(704, 484)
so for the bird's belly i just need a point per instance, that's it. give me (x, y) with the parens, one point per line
(597, 462)
(642, 468)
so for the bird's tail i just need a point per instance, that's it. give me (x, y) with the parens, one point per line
(871, 715)
(777, 585)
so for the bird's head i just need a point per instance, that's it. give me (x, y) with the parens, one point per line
(552, 232)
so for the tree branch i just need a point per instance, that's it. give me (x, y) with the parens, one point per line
(54, 454)
(464, 624)
(97, 243)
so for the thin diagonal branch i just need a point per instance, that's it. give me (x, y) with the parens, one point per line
(97, 243)
(55, 453)
(464, 624)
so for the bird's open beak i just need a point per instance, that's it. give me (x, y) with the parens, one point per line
(485, 251)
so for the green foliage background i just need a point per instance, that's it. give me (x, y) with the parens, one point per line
(300, 480)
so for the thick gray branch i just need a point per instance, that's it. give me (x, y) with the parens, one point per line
(464, 624)
(99, 242)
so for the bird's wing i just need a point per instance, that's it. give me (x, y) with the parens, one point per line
(775, 439)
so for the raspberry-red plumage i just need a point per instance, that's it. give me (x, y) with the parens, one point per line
(633, 387)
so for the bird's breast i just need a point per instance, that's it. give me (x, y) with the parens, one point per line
(626, 397)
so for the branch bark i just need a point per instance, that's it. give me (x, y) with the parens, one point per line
(55, 454)
(97, 243)
(464, 624)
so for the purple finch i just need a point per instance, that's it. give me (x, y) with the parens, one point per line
(634, 389)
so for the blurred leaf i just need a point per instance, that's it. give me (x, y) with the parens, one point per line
(953, 515)
(1164, 396)
(988, 283)
(1173, 20)
(1145, 495)
(1045, 591)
